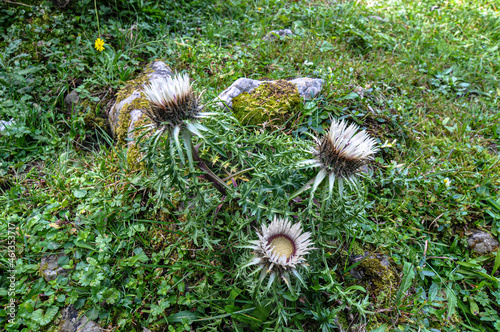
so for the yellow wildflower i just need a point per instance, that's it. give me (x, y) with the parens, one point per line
(99, 44)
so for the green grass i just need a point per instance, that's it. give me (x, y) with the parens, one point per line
(161, 248)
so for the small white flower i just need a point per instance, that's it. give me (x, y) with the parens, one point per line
(447, 182)
(341, 153)
(281, 248)
(388, 145)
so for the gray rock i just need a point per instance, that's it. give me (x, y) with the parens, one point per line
(308, 89)
(482, 242)
(71, 100)
(70, 322)
(158, 70)
(5, 124)
(278, 33)
(50, 269)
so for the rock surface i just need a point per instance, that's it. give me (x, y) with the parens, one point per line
(482, 242)
(278, 33)
(50, 269)
(71, 100)
(70, 322)
(131, 92)
(6, 124)
(308, 89)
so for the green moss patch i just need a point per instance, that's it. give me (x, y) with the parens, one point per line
(270, 103)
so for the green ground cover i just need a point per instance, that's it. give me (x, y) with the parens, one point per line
(158, 246)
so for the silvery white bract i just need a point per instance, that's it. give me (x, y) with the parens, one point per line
(174, 103)
(164, 91)
(341, 153)
(174, 106)
(281, 248)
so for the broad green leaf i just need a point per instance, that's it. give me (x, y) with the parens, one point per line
(497, 263)
(408, 275)
(82, 244)
(452, 300)
(80, 193)
(178, 317)
(349, 96)
(43, 319)
(474, 308)
(433, 290)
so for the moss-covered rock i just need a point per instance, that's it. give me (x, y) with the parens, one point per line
(379, 278)
(269, 103)
(126, 114)
(374, 272)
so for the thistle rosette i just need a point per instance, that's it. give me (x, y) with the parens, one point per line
(280, 249)
(341, 153)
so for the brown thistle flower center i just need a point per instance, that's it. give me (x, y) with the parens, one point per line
(282, 245)
(333, 162)
(183, 107)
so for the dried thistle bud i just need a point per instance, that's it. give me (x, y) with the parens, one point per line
(341, 153)
(172, 101)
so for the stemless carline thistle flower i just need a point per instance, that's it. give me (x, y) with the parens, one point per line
(341, 153)
(281, 248)
(99, 44)
(174, 106)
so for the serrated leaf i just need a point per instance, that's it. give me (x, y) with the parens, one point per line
(452, 301)
(433, 290)
(92, 261)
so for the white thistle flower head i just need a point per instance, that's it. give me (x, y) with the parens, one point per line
(344, 149)
(172, 100)
(341, 153)
(281, 249)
